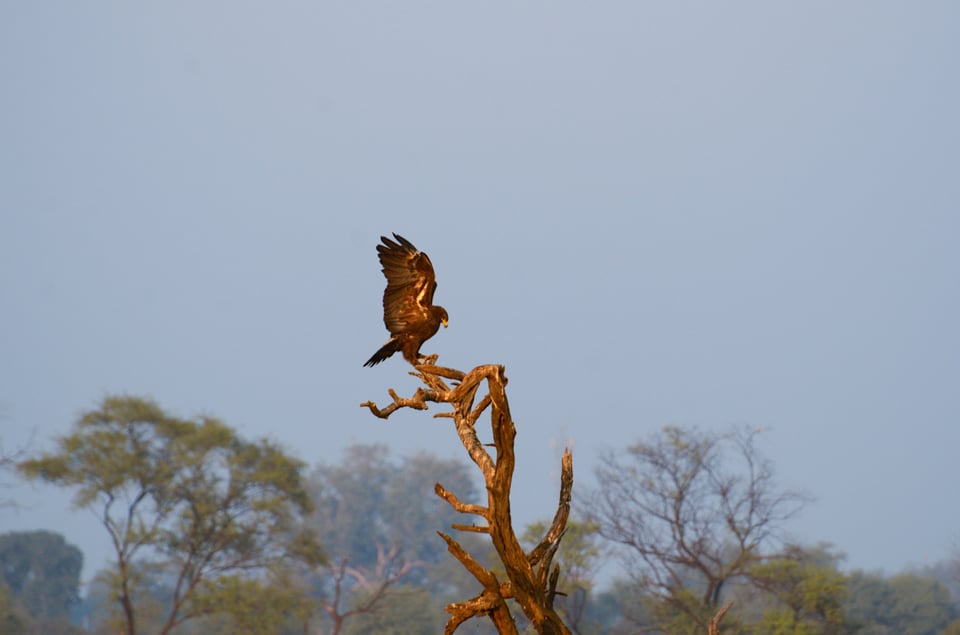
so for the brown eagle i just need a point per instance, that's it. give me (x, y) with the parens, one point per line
(408, 309)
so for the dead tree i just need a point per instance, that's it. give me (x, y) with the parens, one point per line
(531, 575)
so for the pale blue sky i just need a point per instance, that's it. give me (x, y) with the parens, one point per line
(689, 212)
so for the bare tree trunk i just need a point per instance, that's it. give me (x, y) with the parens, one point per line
(531, 576)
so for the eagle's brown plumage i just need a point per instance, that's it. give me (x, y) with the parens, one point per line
(408, 310)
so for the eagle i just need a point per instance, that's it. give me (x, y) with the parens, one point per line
(408, 310)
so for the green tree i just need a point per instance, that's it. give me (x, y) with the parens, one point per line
(953, 628)
(42, 570)
(946, 571)
(184, 500)
(922, 606)
(804, 593)
(905, 604)
(405, 610)
(14, 619)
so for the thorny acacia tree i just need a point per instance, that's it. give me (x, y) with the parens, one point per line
(531, 576)
(688, 521)
(187, 499)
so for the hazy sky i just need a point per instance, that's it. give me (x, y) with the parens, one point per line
(696, 213)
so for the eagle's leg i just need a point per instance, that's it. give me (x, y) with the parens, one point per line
(429, 360)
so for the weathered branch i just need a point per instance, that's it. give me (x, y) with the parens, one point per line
(463, 508)
(715, 622)
(532, 577)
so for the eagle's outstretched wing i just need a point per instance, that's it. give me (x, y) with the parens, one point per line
(411, 283)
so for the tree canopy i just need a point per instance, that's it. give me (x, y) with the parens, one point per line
(905, 604)
(185, 500)
(42, 570)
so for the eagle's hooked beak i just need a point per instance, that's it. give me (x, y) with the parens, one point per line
(444, 322)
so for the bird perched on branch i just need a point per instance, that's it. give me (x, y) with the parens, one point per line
(408, 310)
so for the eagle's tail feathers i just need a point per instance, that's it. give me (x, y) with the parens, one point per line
(388, 349)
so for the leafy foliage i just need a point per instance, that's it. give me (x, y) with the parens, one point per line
(14, 619)
(42, 570)
(904, 604)
(184, 501)
(405, 611)
(805, 593)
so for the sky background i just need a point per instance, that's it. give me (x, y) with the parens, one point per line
(689, 213)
